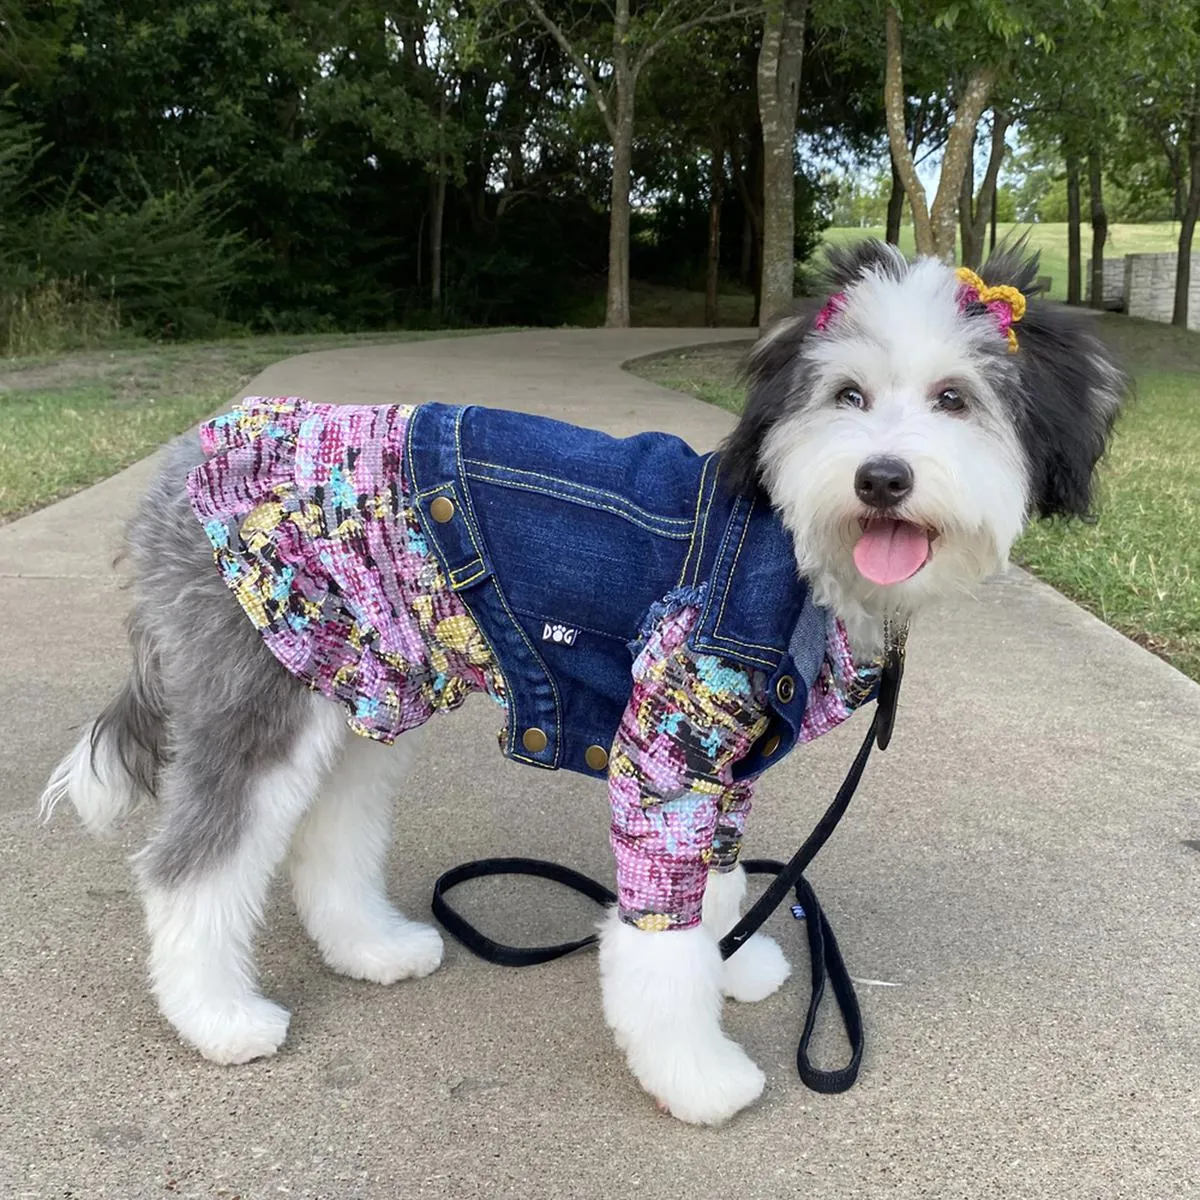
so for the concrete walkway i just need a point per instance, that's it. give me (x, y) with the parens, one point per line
(1013, 887)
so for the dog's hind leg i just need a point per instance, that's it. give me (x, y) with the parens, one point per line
(236, 786)
(338, 865)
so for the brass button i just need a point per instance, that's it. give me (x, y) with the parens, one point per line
(770, 745)
(785, 689)
(596, 757)
(534, 740)
(442, 510)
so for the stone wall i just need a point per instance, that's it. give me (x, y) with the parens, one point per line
(1150, 287)
(1113, 293)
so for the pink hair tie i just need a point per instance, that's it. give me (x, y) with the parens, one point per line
(833, 306)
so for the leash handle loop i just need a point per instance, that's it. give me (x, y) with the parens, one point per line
(497, 952)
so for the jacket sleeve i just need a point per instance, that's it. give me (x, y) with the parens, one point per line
(676, 812)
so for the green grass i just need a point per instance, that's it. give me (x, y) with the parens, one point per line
(1050, 241)
(67, 421)
(1138, 566)
(710, 373)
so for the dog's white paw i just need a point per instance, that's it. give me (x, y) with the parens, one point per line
(758, 969)
(703, 1081)
(400, 950)
(662, 1000)
(235, 1032)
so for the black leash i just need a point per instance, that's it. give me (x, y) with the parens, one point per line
(825, 956)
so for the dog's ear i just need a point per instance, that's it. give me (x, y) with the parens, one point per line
(772, 383)
(1069, 387)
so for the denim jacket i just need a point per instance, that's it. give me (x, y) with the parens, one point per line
(565, 544)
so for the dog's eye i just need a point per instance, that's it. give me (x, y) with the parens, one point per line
(950, 400)
(851, 397)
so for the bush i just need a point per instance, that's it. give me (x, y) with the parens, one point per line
(71, 271)
(59, 314)
(165, 259)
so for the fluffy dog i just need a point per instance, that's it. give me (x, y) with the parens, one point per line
(891, 450)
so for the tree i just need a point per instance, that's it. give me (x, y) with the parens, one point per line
(934, 227)
(625, 41)
(780, 60)
(699, 106)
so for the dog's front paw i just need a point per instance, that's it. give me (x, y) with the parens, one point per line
(402, 950)
(758, 969)
(662, 1000)
(235, 1032)
(702, 1081)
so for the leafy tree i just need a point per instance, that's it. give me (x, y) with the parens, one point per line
(610, 48)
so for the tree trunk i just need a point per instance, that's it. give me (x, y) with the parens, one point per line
(944, 210)
(779, 62)
(1099, 227)
(995, 211)
(716, 194)
(437, 209)
(895, 208)
(983, 205)
(437, 206)
(971, 250)
(746, 267)
(737, 170)
(902, 157)
(616, 314)
(617, 307)
(1074, 271)
(1187, 226)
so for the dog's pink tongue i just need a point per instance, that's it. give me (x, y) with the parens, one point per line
(890, 551)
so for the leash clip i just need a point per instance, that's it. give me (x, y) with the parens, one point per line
(895, 640)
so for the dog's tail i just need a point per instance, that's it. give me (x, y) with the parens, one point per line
(115, 763)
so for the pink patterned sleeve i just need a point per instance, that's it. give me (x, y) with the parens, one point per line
(676, 812)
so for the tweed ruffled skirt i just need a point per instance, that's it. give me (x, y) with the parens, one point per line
(308, 513)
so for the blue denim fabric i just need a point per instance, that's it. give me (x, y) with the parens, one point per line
(562, 541)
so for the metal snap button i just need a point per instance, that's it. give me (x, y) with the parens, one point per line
(596, 757)
(770, 745)
(442, 510)
(534, 740)
(785, 689)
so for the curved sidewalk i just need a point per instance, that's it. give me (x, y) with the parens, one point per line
(1014, 887)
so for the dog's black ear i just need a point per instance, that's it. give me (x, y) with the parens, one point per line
(772, 383)
(845, 265)
(1069, 391)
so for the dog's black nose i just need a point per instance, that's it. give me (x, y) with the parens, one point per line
(883, 482)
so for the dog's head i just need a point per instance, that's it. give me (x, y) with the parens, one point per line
(908, 430)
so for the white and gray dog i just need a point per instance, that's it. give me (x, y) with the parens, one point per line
(920, 401)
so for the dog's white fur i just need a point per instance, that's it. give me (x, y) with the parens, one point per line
(94, 779)
(899, 341)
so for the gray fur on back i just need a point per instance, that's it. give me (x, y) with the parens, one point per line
(207, 708)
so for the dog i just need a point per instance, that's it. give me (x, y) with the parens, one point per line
(892, 447)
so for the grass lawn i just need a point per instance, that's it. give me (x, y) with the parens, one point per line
(67, 421)
(1050, 241)
(1138, 566)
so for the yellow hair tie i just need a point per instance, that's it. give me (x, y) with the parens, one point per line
(1009, 302)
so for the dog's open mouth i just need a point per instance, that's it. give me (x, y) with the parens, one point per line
(890, 551)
